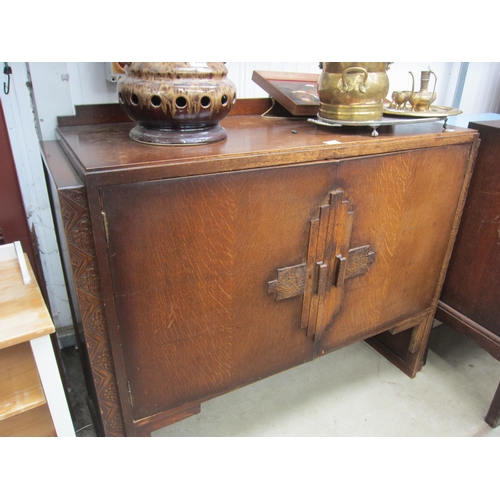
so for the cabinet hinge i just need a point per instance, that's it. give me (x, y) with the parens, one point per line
(130, 394)
(106, 229)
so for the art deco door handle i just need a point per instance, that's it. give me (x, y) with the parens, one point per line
(357, 262)
(329, 263)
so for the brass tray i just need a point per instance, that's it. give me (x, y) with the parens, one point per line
(433, 112)
(374, 124)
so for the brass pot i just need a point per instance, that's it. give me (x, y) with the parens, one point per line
(176, 102)
(353, 91)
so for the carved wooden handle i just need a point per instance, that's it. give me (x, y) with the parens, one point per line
(358, 262)
(290, 282)
(329, 263)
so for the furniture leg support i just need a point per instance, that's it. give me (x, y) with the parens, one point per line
(405, 346)
(493, 415)
(144, 427)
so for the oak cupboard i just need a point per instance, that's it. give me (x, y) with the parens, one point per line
(197, 270)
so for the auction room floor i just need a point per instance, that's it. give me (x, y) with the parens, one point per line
(353, 392)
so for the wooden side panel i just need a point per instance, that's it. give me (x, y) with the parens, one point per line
(472, 285)
(190, 261)
(75, 219)
(404, 206)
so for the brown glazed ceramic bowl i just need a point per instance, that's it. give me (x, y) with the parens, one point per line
(176, 102)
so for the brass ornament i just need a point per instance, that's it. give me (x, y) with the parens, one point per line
(353, 91)
(417, 101)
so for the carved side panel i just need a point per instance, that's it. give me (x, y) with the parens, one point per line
(78, 231)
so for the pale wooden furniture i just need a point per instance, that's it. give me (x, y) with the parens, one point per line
(32, 399)
(196, 270)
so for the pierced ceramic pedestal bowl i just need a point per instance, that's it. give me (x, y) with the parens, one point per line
(176, 103)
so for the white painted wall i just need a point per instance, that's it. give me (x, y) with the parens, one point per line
(58, 87)
(21, 125)
(89, 86)
(482, 88)
(481, 93)
(52, 95)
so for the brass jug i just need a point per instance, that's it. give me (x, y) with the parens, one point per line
(422, 100)
(353, 91)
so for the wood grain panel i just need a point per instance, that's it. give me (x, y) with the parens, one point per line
(472, 283)
(33, 423)
(85, 288)
(195, 235)
(202, 300)
(22, 308)
(20, 386)
(404, 205)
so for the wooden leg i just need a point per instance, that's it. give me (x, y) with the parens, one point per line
(493, 415)
(405, 346)
(144, 427)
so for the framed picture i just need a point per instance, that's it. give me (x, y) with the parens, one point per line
(296, 92)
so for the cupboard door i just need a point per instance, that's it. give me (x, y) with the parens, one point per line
(404, 206)
(190, 260)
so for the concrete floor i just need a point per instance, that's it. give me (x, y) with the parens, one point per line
(353, 392)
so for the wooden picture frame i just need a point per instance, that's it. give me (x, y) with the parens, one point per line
(296, 92)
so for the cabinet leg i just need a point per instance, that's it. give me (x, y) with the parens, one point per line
(144, 428)
(493, 415)
(407, 348)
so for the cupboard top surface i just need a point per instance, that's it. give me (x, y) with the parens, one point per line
(252, 141)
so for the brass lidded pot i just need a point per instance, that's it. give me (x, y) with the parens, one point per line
(353, 91)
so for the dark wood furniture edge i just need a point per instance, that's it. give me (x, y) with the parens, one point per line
(472, 330)
(89, 114)
(72, 215)
(70, 156)
(92, 114)
(263, 159)
(144, 427)
(264, 79)
(481, 336)
(252, 106)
